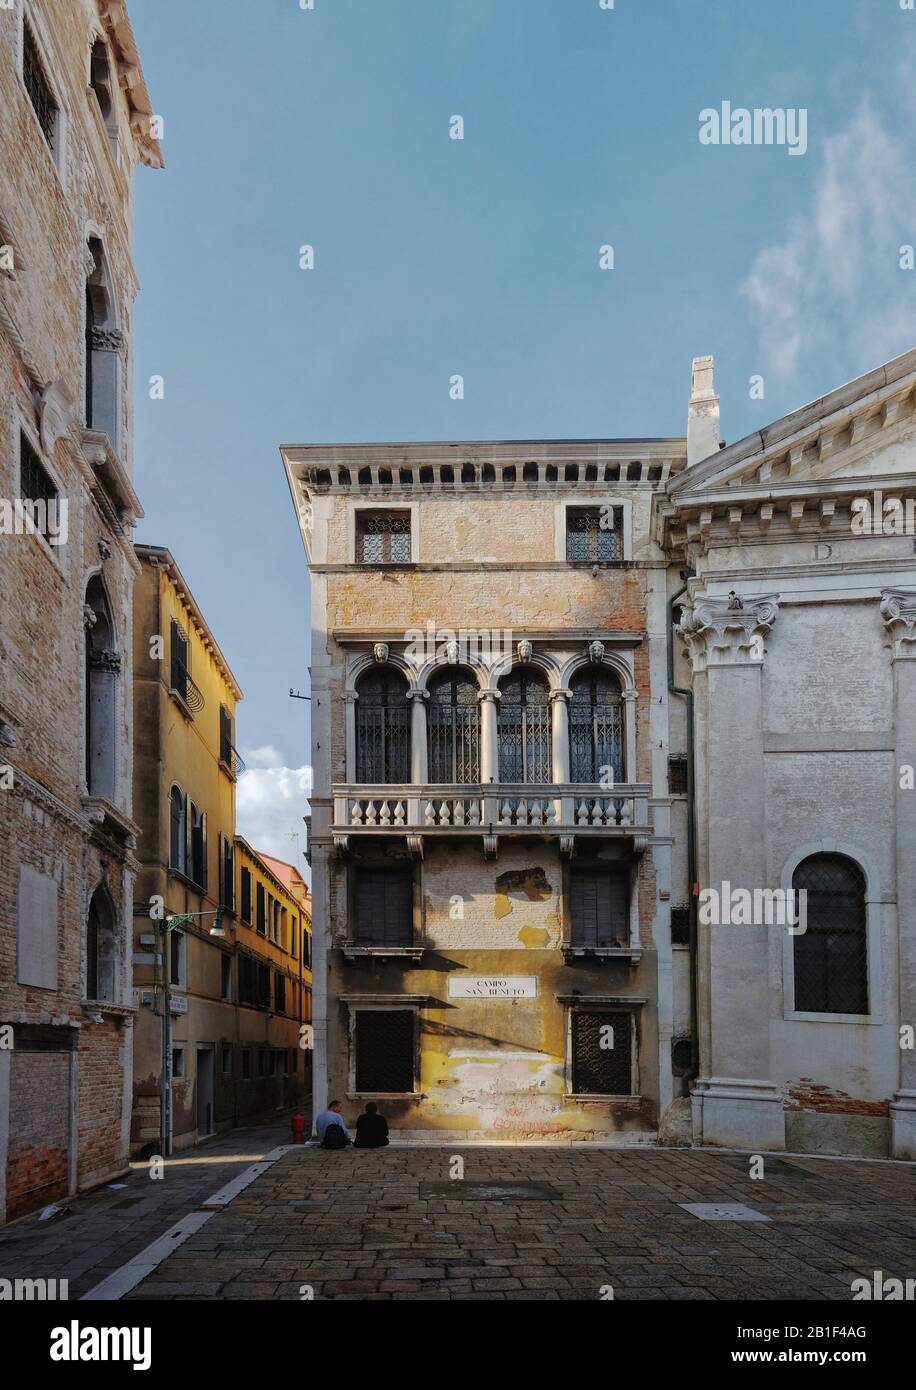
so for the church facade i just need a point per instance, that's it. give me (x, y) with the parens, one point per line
(611, 829)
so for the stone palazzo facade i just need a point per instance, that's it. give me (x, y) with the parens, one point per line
(76, 122)
(574, 705)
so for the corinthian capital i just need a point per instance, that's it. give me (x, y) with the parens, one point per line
(898, 609)
(727, 630)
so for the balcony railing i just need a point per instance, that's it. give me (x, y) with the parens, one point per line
(504, 808)
(231, 758)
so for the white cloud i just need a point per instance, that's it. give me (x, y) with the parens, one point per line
(833, 284)
(270, 803)
(264, 756)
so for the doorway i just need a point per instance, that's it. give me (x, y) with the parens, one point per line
(204, 1092)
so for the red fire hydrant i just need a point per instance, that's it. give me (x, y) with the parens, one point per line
(298, 1128)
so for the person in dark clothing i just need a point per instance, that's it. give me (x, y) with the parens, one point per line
(371, 1129)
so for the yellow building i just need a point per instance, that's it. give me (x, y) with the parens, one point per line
(273, 937)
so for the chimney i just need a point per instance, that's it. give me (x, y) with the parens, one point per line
(702, 413)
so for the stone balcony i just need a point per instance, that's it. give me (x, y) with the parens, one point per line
(565, 811)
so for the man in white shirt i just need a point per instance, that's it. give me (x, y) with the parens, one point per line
(329, 1117)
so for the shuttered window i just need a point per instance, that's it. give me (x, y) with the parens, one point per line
(383, 907)
(178, 650)
(385, 1047)
(602, 1052)
(599, 907)
(261, 909)
(246, 895)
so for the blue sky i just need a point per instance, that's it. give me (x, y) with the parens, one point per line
(330, 126)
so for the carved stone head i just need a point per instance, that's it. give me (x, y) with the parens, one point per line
(524, 650)
(596, 651)
(380, 651)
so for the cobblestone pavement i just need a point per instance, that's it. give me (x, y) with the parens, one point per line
(391, 1224)
(105, 1228)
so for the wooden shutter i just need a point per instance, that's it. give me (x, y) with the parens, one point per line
(599, 908)
(384, 907)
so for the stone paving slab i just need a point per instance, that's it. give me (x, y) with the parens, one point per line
(110, 1226)
(366, 1226)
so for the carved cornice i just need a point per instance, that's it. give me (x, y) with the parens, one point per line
(898, 609)
(727, 630)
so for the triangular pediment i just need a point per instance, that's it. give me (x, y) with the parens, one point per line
(864, 431)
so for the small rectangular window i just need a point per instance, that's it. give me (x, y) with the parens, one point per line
(592, 534)
(38, 495)
(177, 958)
(263, 985)
(383, 908)
(261, 909)
(227, 1061)
(246, 1063)
(602, 1052)
(677, 775)
(247, 980)
(680, 925)
(279, 994)
(385, 1050)
(177, 1063)
(225, 965)
(38, 86)
(599, 907)
(382, 538)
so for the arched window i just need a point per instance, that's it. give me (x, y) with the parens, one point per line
(103, 666)
(831, 955)
(102, 349)
(382, 728)
(524, 727)
(454, 728)
(178, 837)
(100, 948)
(595, 727)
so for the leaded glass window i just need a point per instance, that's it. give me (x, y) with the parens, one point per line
(524, 728)
(831, 955)
(595, 727)
(453, 728)
(382, 728)
(592, 534)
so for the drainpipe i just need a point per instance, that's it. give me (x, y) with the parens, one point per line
(687, 695)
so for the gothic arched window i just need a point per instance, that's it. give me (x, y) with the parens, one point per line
(178, 834)
(100, 948)
(382, 728)
(103, 665)
(524, 727)
(596, 727)
(831, 955)
(454, 728)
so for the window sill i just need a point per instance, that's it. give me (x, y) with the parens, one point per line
(105, 1006)
(351, 951)
(631, 953)
(182, 704)
(384, 1095)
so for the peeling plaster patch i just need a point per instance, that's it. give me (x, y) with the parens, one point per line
(533, 937)
(528, 883)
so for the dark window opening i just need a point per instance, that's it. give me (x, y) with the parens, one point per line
(524, 728)
(38, 494)
(261, 909)
(383, 907)
(382, 728)
(38, 87)
(246, 895)
(680, 925)
(596, 728)
(677, 775)
(385, 1050)
(453, 726)
(831, 955)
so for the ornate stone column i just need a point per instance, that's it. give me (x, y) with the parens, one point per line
(898, 609)
(735, 1103)
(560, 734)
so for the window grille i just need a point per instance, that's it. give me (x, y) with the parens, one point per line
(592, 534)
(831, 955)
(385, 1050)
(454, 729)
(382, 538)
(38, 87)
(602, 1052)
(677, 776)
(524, 728)
(35, 486)
(595, 727)
(382, 729)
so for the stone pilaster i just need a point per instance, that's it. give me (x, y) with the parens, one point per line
(418, 751)
(735, 1104)
(898, 609)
